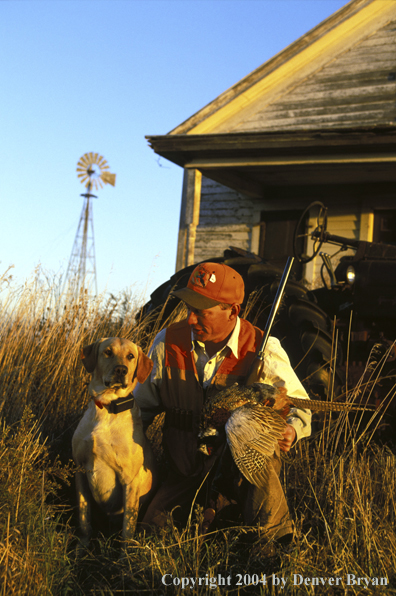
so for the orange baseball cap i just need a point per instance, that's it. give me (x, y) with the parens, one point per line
(211, 284)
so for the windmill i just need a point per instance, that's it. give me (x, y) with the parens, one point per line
(93, 171)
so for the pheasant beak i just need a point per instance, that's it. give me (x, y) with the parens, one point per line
(205, 449)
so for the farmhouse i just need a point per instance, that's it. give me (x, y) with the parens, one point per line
(317, 122)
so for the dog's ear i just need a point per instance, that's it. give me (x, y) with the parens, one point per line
(89, 355)
(144, 367)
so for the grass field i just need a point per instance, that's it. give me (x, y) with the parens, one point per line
(341, 485)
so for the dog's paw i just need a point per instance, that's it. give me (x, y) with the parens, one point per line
(127, 549)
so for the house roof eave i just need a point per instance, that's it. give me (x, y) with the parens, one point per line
(249, 162)
(184, 149)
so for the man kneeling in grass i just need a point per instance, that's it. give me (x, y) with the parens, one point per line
(195, 359)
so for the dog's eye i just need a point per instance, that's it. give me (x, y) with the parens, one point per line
(108, 352)
(130, 356)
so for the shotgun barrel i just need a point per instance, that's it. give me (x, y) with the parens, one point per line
(257, 365)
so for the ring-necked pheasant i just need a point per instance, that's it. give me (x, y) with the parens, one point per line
(254, 419)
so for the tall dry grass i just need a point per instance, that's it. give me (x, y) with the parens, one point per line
(340, 485)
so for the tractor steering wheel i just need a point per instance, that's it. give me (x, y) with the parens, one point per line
(301, 232)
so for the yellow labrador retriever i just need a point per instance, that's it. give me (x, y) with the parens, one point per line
(109, 442)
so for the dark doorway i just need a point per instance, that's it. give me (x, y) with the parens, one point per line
(276, 237)
(385, 226)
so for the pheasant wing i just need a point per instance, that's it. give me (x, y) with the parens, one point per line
(252, 434)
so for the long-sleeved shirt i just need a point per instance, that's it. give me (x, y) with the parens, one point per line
(277, 372)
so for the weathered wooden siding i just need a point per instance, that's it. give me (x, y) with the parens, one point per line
(357, 88)
(226, 219)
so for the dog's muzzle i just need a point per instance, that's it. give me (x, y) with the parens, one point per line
(118, 377)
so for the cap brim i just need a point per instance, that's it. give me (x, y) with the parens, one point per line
(194, 299)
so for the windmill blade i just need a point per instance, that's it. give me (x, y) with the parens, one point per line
(84, 160)
(96, 182)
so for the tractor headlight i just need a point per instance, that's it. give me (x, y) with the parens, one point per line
(350, 275)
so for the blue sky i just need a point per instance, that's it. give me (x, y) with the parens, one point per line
(99, 75)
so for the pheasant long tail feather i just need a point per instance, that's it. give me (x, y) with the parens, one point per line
(317, 405)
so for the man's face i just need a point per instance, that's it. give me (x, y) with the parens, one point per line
(212, 324)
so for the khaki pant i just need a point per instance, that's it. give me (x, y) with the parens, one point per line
(177, 494)
(265, 506)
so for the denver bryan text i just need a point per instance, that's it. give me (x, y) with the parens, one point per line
(349, 580)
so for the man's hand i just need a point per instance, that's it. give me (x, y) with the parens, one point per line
(288, 437)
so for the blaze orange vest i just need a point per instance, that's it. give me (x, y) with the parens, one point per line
(183, 396)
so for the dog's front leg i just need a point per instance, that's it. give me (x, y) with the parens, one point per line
(84, 507)
(131, 506)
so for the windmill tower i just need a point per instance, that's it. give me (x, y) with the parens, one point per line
(80, 276)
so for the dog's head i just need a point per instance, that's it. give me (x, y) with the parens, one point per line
(117, 365)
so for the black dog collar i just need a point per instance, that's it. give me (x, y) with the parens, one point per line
(121, 404)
